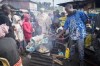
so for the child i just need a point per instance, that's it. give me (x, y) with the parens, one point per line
(18, 32)
(27, 28)
(62, 19)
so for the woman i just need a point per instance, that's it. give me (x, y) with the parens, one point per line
(27, 28)
(8, 48)
(19, 36)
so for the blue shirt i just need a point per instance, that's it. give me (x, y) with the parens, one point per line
(76, 25)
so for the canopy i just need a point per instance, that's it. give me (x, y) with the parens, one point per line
(97, 3)
(80, 4)
(76, 4)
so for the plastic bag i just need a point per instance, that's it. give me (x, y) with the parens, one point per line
(88, 40)
(30, 47)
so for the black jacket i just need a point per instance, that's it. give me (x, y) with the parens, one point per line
(5, 20)
(8, 50)
(96, 45)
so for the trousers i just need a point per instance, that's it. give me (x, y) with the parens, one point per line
(77, 44)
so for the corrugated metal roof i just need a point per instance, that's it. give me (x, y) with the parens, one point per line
(18, 4)
(77, 4)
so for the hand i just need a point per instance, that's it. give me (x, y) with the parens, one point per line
(33, 30)
(62, 32)
(62, 39)
(18, 40)
(5, 28)
(2, 35)
(57, 36)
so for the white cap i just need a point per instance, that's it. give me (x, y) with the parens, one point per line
(42, 9)
(60, 28)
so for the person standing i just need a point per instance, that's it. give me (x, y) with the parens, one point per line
(57, 14)
(55, 21)
(76, 24)
(19, 36)
(44, 22)
(4, 19)
(8, 48)
(38, 29)
(62, 19)
(96, 45)
(27, 28)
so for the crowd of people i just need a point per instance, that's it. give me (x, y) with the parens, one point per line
(16, 31)
(8, 46)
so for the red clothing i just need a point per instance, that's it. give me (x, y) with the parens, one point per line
(27, 28)
(19, 63)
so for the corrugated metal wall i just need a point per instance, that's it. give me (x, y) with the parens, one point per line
(22, 4)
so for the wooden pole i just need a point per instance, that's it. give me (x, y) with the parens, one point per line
(53, 4)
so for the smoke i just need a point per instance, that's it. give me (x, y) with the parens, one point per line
(43, 24)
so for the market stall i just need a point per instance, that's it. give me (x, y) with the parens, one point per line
(44, 52)
(93, 23)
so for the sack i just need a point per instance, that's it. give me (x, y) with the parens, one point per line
(88, 40)
(67, 53)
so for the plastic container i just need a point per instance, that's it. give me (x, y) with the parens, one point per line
(67, 53)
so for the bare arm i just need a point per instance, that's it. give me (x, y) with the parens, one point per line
(62, 32)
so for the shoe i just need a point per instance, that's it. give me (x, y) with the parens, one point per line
(81, 63)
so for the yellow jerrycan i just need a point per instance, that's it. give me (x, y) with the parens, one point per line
(67, 53)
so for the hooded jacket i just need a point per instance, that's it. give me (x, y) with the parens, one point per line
(27, 27)
(18, 29)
